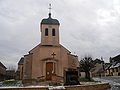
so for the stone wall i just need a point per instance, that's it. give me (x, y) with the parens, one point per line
(102, 86)
(89, 87)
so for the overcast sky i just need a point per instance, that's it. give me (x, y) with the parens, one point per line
(87, 27)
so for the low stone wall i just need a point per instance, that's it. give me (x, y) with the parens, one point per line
(26, 88)
(102, 86)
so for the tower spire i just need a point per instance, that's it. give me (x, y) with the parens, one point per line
(50, 10)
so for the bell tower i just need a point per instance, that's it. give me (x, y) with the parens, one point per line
(50, 31)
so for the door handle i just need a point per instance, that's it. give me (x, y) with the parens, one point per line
(48, 73)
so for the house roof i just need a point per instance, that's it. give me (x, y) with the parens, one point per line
(1, 65)
(117, 65)
(21, 61)
(98, 61)
(113, 65)
(107, 67)
(116, 58)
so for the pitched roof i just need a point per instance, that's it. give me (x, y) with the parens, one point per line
(116, 58)
(2, 65)
(113, 65)
(98, 61)
(117, 65)
(21, 61)
(107, 66)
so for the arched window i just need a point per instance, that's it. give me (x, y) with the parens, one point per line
(53, 32)
(46, 32)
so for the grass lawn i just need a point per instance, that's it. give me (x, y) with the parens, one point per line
(9, 83)
(86, 80)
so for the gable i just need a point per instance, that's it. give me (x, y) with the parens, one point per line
(21, 61)
(1, 65)
(64, 48)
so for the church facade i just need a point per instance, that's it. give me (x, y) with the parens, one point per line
(49, 60)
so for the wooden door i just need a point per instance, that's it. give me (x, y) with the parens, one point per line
(49, 70)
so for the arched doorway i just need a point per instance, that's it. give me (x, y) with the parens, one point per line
(49, 70)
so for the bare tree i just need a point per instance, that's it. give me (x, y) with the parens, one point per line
(86, 64)
(12, 67)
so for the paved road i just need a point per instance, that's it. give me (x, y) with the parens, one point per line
(114, 82)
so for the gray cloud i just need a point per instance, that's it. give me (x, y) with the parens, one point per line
(87, 27)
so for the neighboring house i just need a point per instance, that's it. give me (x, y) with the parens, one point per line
(117, 69)
(82, 74)
(115, 59)
(2, 72)
(113, 69)
(10, 74)
(107, 70)
(97, 70)
(19, 72)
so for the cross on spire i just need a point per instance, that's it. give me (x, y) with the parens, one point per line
(53, 54)
(49, 8)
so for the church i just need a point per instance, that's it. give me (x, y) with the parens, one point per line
(49, 60)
